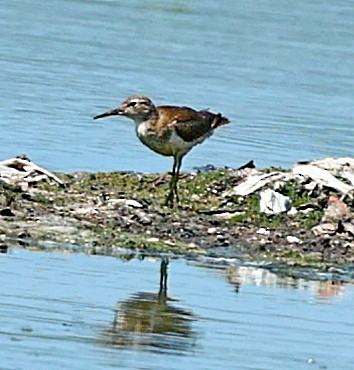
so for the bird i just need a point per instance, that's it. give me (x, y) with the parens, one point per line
(168, 130)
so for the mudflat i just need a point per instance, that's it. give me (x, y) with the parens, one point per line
(302, 216)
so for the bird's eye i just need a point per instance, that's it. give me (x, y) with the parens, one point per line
(132, 104)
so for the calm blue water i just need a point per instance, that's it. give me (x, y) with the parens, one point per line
(80, 312)
(282, 72)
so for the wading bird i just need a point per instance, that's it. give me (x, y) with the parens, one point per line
(168, 130)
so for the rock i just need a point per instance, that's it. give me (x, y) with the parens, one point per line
(195, 198)
(6, 212)
(153, 240)
(263, 231)
(126, 202)
(133, 203)
(348, 227)
(325, 228)
(249, 164)
(3, 248)
(144, 219)
(212, 230)
(273, 202)
(336, 211)
(228, 215)
(293, 239)
(292, 211)
(85, 210)
(170, 242)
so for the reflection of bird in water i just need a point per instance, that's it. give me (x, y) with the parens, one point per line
(163, 275)
(151, 321)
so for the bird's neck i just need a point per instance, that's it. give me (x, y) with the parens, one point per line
(147, 119)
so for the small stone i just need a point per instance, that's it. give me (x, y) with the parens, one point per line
(292, 211)
(212, 230)
(133, 203)
(325, 228)
(228, 215)
(195, 197)
(307, 210)
(348, 227)
(7, 212)
(170, 242)
(336, 211)
(293, 239)
(152, 240)
(144, 219)
(24, 234)
(3, 248)
(192, 245)
(263, 231)
(126, 202)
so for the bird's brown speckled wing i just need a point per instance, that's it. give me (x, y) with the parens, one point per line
(189, 123)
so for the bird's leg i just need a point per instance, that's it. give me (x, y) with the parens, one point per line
(173, 194)
(170, 197)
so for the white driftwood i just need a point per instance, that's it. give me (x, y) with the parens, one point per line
(343, 167)
(335, 165)
(322, 177)
(255, 182)
(349, 176)
(21, 171)
(273, 202)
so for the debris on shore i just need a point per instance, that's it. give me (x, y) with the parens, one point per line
(20, 171)
(301, 216)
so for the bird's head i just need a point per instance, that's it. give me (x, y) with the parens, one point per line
(137, 107)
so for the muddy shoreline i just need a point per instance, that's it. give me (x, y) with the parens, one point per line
(105, 213)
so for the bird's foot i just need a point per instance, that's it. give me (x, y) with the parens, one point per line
(172, 199)
(169, 202)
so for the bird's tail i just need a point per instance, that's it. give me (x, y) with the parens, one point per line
(219, 120)
(215, 120)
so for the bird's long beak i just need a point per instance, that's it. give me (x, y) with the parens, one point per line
(114, 112)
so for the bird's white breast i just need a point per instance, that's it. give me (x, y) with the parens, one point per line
(141, 129)
(166, 145)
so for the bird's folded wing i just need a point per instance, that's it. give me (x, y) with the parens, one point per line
(192, 129)
(188, 123)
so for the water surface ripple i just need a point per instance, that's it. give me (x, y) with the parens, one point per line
(89, 312)
(283, 73)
